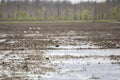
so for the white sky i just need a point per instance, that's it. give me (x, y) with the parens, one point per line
(75, 1)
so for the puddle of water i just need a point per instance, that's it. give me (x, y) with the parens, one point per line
(84, 68)
(76, 47)
(101, 52)
(84, 72)
(12, 42)
(2, 40)
(83, 61)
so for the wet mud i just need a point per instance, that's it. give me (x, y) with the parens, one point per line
(68, 51)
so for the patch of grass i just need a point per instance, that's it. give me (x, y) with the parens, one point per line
(52, 22)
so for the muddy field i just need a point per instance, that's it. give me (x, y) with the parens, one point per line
(60, 51)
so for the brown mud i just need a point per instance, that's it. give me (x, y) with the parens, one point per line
(37, 51)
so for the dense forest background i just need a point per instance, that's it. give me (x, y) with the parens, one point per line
(65, 10)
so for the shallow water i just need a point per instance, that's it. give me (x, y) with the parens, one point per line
(75, 47)
(2, 40)
(89, 68)
(84, 52)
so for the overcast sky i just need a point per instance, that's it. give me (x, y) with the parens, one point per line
(75, 1)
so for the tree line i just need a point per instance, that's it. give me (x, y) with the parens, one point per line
(44, 10)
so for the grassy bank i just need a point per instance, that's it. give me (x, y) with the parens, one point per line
(47, 22)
